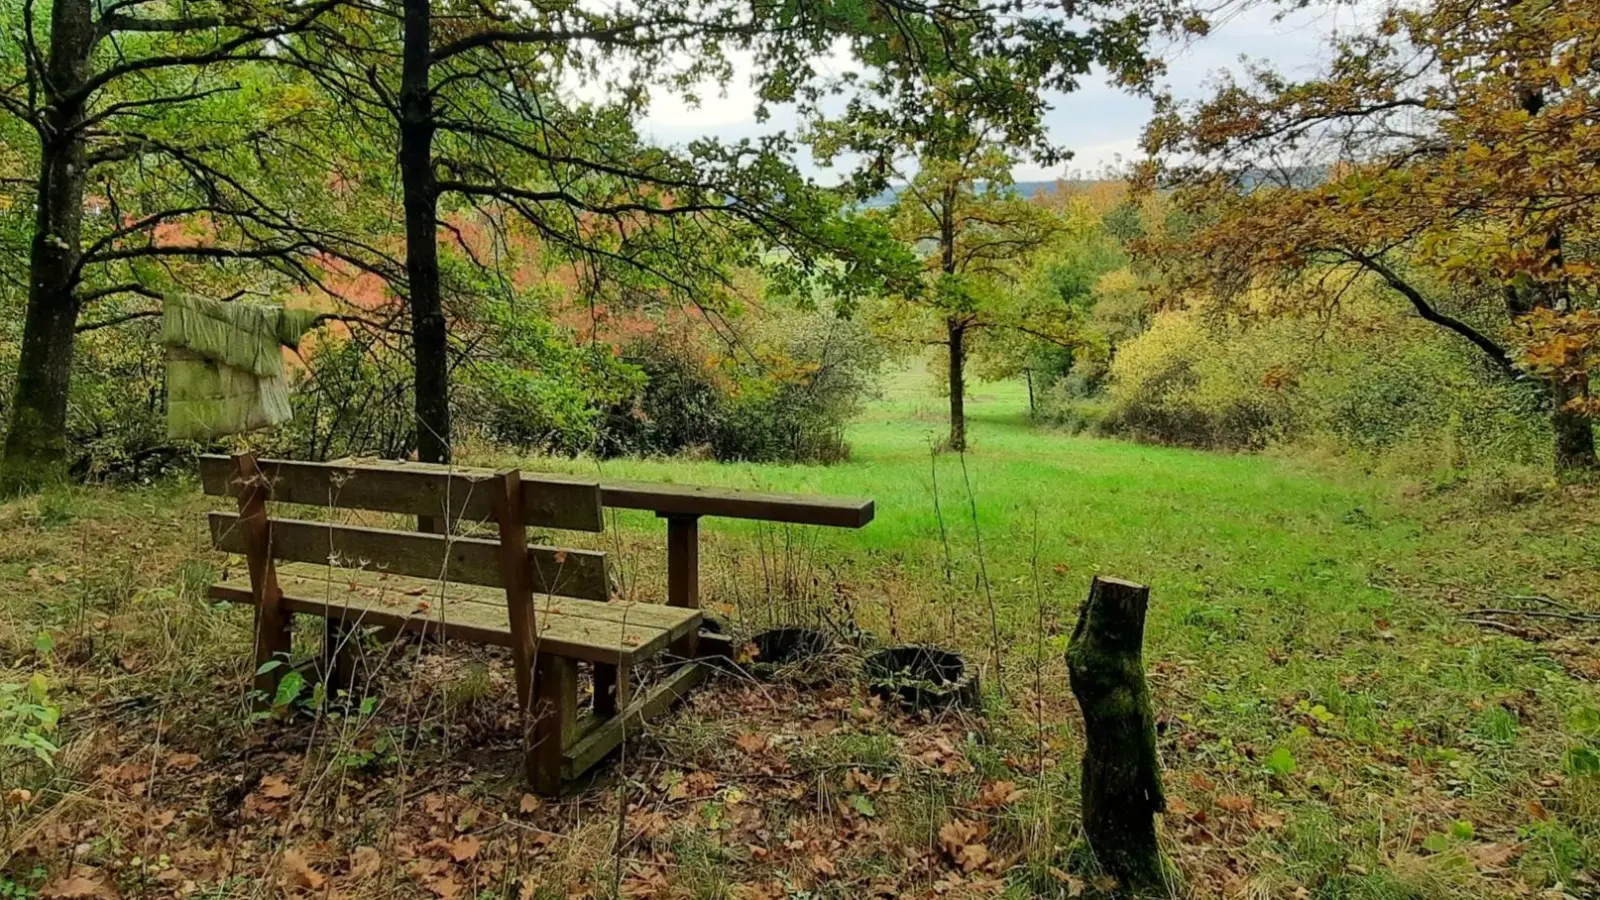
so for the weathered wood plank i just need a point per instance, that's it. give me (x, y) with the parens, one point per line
(452, 492)
(605, 737)
(570, 573)
(692, 500)
(586, 638)
(555, 686)
(313, 578)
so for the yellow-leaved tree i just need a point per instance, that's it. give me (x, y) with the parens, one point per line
(1450, 152)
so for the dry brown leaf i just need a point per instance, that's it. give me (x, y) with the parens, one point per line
(529, 804)
(751, 742)
(79, 887)
(956, 834)
(274, 787)
(445, 886)
(1493, 857)
(299, 873)
(824, 865)
(1235, 802)
(464, 848)
(972, 857)
(999, 793)
(184, 761)
(365, 862)
(1074, 884)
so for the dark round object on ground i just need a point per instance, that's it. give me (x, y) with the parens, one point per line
(922, 677)
(780, 647)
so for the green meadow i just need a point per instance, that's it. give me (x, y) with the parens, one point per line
(1338, 716)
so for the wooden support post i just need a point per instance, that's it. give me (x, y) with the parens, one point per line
(272, 622)
(555, 680)
(1121, 776)
(611, 688)
(683, 575)
(514, 570)
(338, 655)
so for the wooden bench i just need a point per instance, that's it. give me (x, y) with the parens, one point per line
(547, 604)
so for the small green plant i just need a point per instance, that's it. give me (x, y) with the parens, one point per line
(13, 889)
(27, 716)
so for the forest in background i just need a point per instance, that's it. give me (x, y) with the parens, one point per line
(502, 262)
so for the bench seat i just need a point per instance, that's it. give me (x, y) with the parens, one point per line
(615, 633)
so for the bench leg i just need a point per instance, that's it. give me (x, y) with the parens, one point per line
(555, 708)
(683, 576)
(338, 656)
(272, 640)
(611, 687)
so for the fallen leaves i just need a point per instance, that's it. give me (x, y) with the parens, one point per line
(962, 841)
(274, 787)
(464, 848)
(365, 863)
(79, 887)
(297, 873)
(999, 793)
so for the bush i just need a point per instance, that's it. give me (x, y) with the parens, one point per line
(786, 394)
(1374, 385)
(1184, 383)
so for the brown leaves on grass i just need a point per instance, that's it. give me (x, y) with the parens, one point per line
(365, 863)
(183, 762)
(80, 887)
(274, 787)
(999, 793)
(297, 873)
(962, 841)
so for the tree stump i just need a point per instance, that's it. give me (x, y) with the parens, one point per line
(1121, 777)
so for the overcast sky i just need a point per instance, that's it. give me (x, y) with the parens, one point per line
(1098, 123)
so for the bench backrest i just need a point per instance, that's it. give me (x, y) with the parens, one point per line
(434, 491)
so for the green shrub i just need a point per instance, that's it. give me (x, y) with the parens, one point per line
(1373, 384)
(785, 394)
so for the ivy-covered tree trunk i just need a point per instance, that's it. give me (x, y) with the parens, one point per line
(1121, 776)
(36, 443)
(428, 330)
(958, 386)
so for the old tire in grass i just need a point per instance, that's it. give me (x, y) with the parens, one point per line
(921, 677)
(780, 648)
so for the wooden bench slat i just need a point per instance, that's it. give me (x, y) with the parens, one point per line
(310, 578)
(732, 503)
(453, 492)
(575, 632)
(570, 573)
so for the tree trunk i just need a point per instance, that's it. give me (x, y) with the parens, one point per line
(1121, 776)
(428, 332)
(958, 386)
(36, 444)
(1574, 434)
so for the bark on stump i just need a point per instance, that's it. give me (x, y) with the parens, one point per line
(1121, 778)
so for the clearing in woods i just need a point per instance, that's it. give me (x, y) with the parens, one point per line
(1346, 707)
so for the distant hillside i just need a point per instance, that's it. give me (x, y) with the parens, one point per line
(1249, 180)
(1025, 188)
